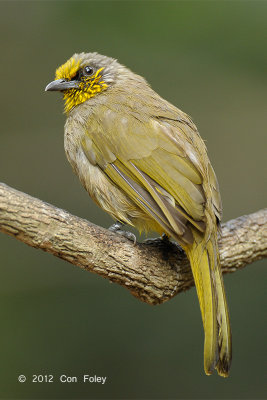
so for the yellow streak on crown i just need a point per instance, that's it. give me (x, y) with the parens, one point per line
(88, 87)
(68, 70)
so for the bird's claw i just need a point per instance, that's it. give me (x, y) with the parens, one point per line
(163, 238)
(117, 228)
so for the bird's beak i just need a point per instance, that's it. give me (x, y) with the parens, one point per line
(61, 84)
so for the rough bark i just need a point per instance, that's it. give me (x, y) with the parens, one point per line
(153, 271)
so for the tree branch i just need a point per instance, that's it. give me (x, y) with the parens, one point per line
(153, 272)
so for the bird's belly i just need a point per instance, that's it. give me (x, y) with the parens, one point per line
(107, 195)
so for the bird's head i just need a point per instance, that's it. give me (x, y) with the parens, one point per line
(83, 76)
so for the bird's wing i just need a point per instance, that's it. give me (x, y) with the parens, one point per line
(158, 163)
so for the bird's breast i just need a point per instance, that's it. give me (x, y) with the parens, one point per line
(100, 188)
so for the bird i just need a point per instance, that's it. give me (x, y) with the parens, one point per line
(142, 160)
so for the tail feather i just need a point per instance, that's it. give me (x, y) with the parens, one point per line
(225, 336)
(205, 264)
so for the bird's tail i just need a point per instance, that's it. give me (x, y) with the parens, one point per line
(204, 259)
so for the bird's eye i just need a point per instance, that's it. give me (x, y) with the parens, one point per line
(88, 70)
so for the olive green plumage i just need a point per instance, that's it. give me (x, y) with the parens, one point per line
(142, 160)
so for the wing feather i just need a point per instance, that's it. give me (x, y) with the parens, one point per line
(140, 195)
(159, 162)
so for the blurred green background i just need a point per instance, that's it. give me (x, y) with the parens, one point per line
(209, 59)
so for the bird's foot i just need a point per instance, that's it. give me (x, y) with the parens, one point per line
(167, 247)
(162, 239)
(117, 228)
